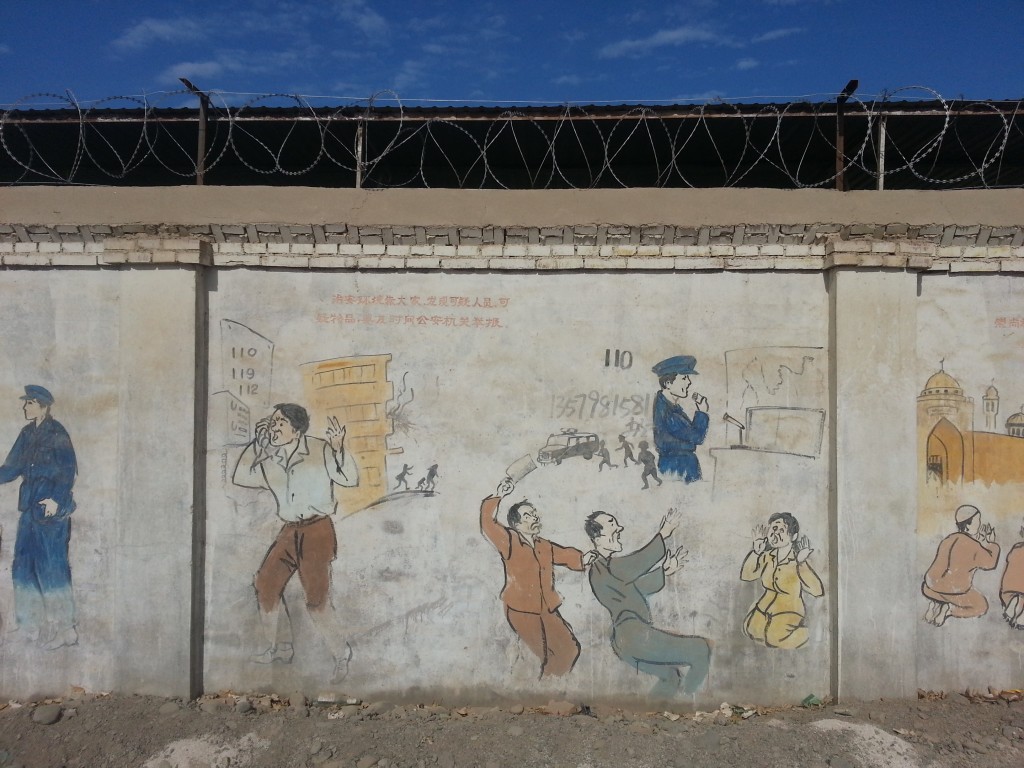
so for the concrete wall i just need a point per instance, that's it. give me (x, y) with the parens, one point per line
(116, 351)
(469, 357)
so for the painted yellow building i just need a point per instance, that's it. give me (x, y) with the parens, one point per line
(356, 391)
(949, 448)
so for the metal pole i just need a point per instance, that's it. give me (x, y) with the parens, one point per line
(840, 147)
(201, 150)
(881, 152)
(359, 154)
(841, 134)
(204, 102)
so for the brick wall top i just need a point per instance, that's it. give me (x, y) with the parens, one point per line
(826, 250)
(578, 235)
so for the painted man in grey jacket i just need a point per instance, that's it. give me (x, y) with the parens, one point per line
(622, 585)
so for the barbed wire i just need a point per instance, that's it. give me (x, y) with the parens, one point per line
(926, 142)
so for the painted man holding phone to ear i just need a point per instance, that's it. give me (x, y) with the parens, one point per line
(301, 472)
(676, 433)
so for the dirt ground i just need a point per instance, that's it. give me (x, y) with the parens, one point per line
(83, 730)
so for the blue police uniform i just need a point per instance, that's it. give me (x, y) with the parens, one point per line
(44, 459)
(676, 435)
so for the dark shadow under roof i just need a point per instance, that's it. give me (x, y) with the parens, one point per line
(906, 145)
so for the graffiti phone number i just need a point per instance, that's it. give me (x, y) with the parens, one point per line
(596, 405)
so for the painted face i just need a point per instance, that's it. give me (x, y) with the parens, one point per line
(529, 521)
(608, 540)
(680, 386)
(33, 410)
(974, 525)
(778, 534)
(281, 430)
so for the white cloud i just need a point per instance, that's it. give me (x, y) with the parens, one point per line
(437, 50)
(778, 34)
(428, 24)
(359, 14)
(192, 70)
(567, 80)
(491, 27)
(150, 31)
(4, 49)
(666, 37)
(748, 63)
(409, 75)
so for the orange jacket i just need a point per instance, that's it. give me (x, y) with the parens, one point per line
(529, 571)
(959, 555)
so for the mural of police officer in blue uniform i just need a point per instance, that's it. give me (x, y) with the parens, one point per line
(44, 459)
(676, 433)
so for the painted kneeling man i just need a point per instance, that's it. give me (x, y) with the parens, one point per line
(949, 581)
(301, 472)
(1011, 587)
(779, 559)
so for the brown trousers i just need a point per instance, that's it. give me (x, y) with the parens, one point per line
(969, 605)
(308, 547)
(550, 638)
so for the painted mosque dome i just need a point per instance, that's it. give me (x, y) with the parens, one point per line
(941, 382)
(1017, 420)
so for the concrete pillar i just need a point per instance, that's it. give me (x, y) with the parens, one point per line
(152, 569)
(874, 484)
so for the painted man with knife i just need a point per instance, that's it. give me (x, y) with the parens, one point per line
(531, 602)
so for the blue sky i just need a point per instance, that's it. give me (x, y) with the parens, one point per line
(517, 51)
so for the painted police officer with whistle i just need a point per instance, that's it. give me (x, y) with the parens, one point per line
(676, 433)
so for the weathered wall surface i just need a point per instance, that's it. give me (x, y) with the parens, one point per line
(687, 207)
(115, 350)
(859, 366)
(487, 370)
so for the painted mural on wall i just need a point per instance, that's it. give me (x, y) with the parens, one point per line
(43, 459)
(779, 394)
(949, 580)
(566, 577)
(969, 459)
(676, 432)
(622, 584)
(528, 595)
(301, 472)
(1011, 586)
(952, 450)
(779, 559)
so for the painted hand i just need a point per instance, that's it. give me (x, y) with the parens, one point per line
(674, 561)
(760, 536)
(987, 533)
(49, 507)
(669, 523)
(803, 549)
(701, 402)
(263, 432)
(335, 434)
(588, 558)
(505, 487)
